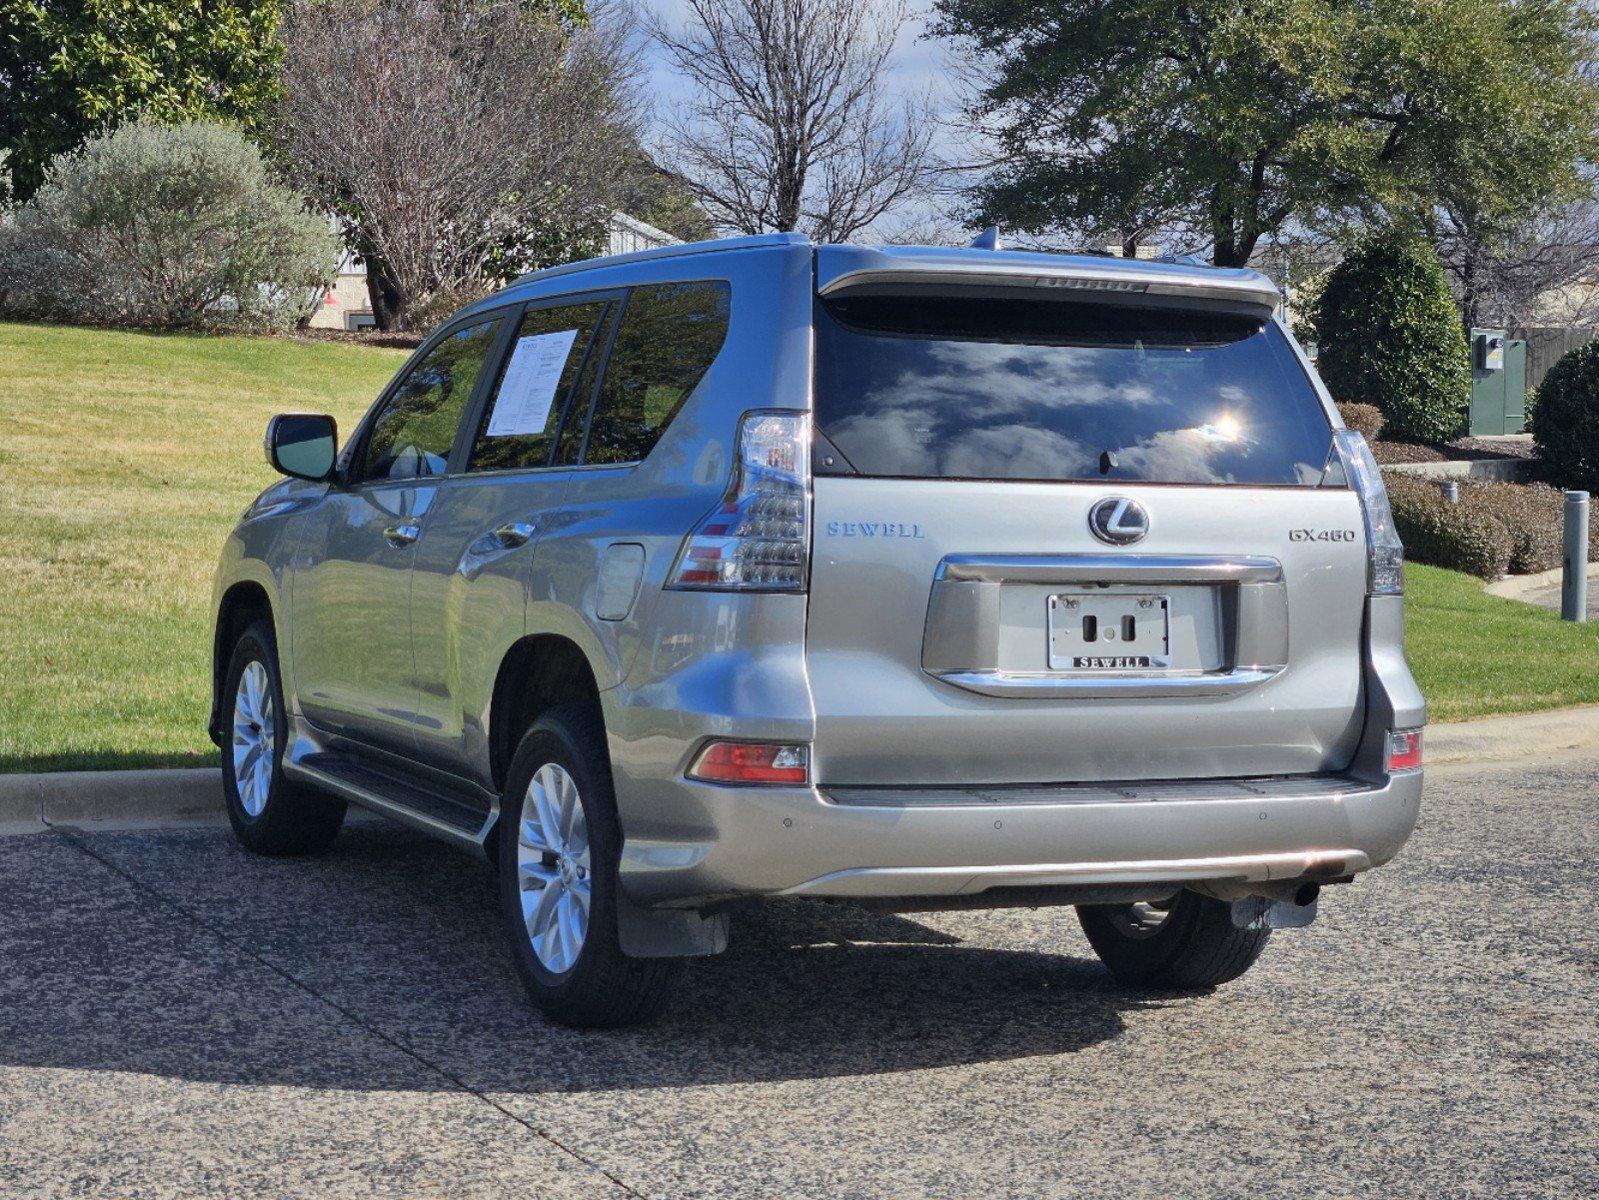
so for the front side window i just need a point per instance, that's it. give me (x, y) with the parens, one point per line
(948, 387)
(412, 433)
(520, 424)
(669, 336)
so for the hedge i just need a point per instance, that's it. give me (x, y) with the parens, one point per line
(1494, 529)
(1365, 419)
(1443, 534)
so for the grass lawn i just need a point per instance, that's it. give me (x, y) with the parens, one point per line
(124, 460)
(1476, 655)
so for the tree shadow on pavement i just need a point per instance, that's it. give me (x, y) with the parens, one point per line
(176, 953)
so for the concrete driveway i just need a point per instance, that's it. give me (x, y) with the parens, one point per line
(178, 1018)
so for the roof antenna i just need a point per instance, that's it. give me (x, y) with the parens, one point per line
(987, 240)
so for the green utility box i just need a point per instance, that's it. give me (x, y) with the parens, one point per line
(1498, 382)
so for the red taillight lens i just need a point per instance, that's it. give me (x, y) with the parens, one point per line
(752, 762)
(758, 538)
(1404, 749)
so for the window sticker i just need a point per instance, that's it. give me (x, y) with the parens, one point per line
(531, 380)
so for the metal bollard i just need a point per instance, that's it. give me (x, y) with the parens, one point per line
(1451, 490)
(1574, 575)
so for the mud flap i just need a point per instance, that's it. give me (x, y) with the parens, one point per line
(1262, 912)
(667, 932)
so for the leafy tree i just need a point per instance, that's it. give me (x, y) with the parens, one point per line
(1390, 335)
(71, 67)
(1232, 121)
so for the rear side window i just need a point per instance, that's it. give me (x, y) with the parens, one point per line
(519, 426)
(981, 388)
(669, 336)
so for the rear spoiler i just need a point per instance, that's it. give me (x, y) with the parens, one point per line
(841, 269)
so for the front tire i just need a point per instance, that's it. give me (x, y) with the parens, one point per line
(269, 814)
(559, 846)
(1190, 945)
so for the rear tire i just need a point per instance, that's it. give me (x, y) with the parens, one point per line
(1194, 946)
(270, 814)
(559, 846)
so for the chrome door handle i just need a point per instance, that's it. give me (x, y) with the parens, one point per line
(402, 535)
(515, 533)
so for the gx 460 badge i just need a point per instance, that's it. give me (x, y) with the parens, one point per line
(1321, 535)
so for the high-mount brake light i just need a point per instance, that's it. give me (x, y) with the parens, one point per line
(758, 538)
(1385, 556)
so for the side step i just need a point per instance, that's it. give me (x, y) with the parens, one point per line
(453, 817)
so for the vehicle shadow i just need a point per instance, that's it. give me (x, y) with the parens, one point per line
(176, 953)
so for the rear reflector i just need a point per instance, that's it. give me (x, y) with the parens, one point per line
(1404, 749)
(752, 762)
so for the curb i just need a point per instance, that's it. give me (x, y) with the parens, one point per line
(1498, 739)
(1492, 470)
(1518, 587)
(36, 802)
(70, 797)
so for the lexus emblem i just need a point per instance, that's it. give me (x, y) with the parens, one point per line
(1118, 520)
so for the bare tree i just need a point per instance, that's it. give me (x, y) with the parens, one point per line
(792, 125)
(1539, 271)
(446, 135)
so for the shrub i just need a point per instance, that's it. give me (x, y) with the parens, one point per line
(1389, 333)
(1443, 534)
(1530, 514)
(1527, 520)
(1565, 420)
(1365, 419)
(166, 225)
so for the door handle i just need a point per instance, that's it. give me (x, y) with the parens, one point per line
(515, 533)
(402, 535)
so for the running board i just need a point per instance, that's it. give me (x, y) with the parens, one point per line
(403, 800)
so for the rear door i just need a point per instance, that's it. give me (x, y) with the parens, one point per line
(479, 553)
(1062, 539)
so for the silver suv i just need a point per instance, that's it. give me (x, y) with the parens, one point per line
(918, 578)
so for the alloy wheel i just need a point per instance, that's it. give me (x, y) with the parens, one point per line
(553, 867)
(253, 738)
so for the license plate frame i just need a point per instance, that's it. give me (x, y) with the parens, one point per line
(1071, 649)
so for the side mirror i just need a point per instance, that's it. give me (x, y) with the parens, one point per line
(304, 445)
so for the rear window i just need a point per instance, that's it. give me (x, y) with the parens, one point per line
(983, 388)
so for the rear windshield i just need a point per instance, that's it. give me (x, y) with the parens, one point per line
(982, 388)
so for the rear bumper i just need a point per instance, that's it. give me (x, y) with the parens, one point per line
(802, 841)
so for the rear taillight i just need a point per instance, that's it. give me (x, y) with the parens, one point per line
(752, 762)
(1404, 749)
(1385, 556)
(758, 538)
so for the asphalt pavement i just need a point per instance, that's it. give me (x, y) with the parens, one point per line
(181, 1019)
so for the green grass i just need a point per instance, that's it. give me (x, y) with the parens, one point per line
(1476, 655)
(125, 458)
